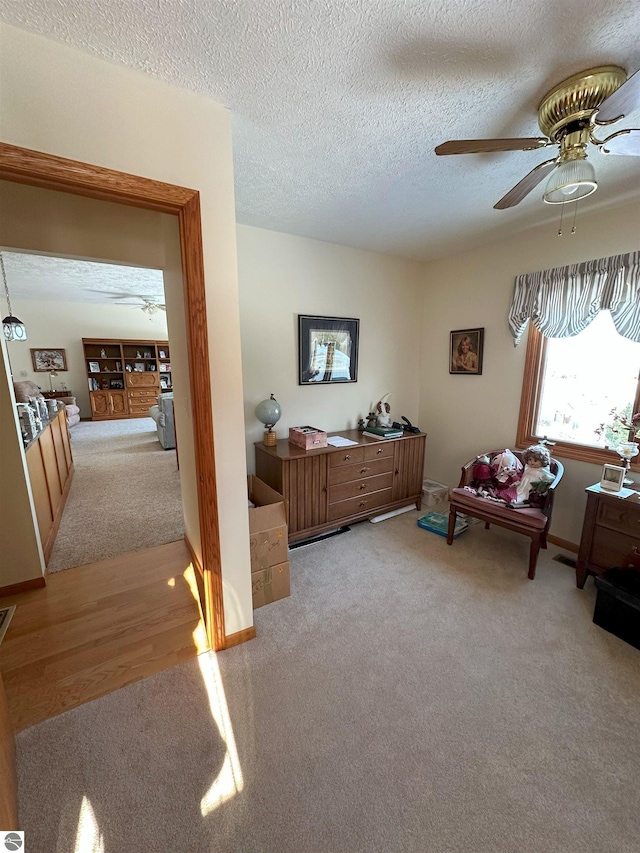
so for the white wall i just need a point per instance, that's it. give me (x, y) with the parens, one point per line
(466, 415)
(62, 325)
(64, 102)
(282, 276)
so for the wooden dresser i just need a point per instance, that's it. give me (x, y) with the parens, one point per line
(610, 533)
(333, 486)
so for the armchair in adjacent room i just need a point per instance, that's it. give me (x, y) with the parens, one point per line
(25, 389)
(162, 414)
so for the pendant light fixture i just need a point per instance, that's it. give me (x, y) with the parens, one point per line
(575, 177)
(14, 329)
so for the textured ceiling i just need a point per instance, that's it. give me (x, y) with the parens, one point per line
(65, 280)
(337, 105)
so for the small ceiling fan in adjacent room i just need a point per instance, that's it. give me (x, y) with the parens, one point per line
(569, 116)
(150, 305)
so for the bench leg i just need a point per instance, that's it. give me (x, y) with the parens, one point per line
(533, 558)
(452, 525)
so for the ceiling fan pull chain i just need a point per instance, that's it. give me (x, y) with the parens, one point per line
(575, 212)
(561, 215)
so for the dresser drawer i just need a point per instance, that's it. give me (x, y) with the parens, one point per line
(139, 408)
(620, 516)
(360, 487)
(346, 456)
(359, 470)
(380, 450)
(611, 550)
(141, 392)
(354, 506)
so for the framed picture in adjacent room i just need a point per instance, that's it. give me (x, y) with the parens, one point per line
(94, 367)
(465, 351)
(327, 350)
(138, 367)
(116, 384)
(46, 360)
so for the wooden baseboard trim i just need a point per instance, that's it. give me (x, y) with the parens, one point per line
(230, 639)
(563, 543)
(23, 586)
(194, 558)
(240, 637)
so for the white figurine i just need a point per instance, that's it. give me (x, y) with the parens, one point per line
(383, 409)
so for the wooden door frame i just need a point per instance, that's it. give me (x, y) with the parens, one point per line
(22, 165)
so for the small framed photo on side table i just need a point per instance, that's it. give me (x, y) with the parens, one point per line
(612, 477)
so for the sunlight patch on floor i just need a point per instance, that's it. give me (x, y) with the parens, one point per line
(229, 781)
(200, 639)
(89, 839)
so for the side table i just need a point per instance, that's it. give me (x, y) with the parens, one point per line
(53, 395)
(610, 533)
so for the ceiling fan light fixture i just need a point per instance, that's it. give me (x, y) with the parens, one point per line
(571, 181)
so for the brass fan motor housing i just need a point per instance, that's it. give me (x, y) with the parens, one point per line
(577, 98)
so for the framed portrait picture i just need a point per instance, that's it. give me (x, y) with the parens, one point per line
(116, 384)
(612, 477)
(327, 350)
(46, 360)
(94, 367)
(465, 351)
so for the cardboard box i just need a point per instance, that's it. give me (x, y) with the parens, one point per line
(270, 584)
(307, 437)
(267, 526)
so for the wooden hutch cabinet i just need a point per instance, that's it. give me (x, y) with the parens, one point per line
(334, 486)
(125, 376)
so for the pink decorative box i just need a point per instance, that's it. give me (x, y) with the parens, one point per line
(307, 437)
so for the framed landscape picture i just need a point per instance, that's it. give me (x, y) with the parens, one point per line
(327, 350)
(46, 360)
(465, 351)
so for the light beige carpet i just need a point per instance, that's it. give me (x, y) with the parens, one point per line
(125, 493)
(408, 696)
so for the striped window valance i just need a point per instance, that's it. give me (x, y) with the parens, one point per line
(562, 302)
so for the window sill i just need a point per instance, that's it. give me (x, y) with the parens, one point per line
(579, 452)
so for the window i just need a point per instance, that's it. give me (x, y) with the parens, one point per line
(571, 385)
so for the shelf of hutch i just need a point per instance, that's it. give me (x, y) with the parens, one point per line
(333, 486)
(124, 376)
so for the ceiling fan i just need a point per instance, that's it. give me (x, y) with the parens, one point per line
(147, 304)
(569, 115)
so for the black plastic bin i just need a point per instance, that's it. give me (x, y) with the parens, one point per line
(618, 604)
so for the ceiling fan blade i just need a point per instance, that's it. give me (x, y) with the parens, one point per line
(480, 146)
(624, 142)
(524, 187)
(621, 103)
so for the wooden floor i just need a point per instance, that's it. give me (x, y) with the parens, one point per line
(96, 628)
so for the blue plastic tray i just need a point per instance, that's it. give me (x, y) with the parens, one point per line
(438, 523)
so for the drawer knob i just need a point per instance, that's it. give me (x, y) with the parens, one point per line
(347, 456)
(379, 451)
(362, 486)
(363, 470)
(362, 503)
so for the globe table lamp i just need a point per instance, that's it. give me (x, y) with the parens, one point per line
(269, 412)
(627, 450)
